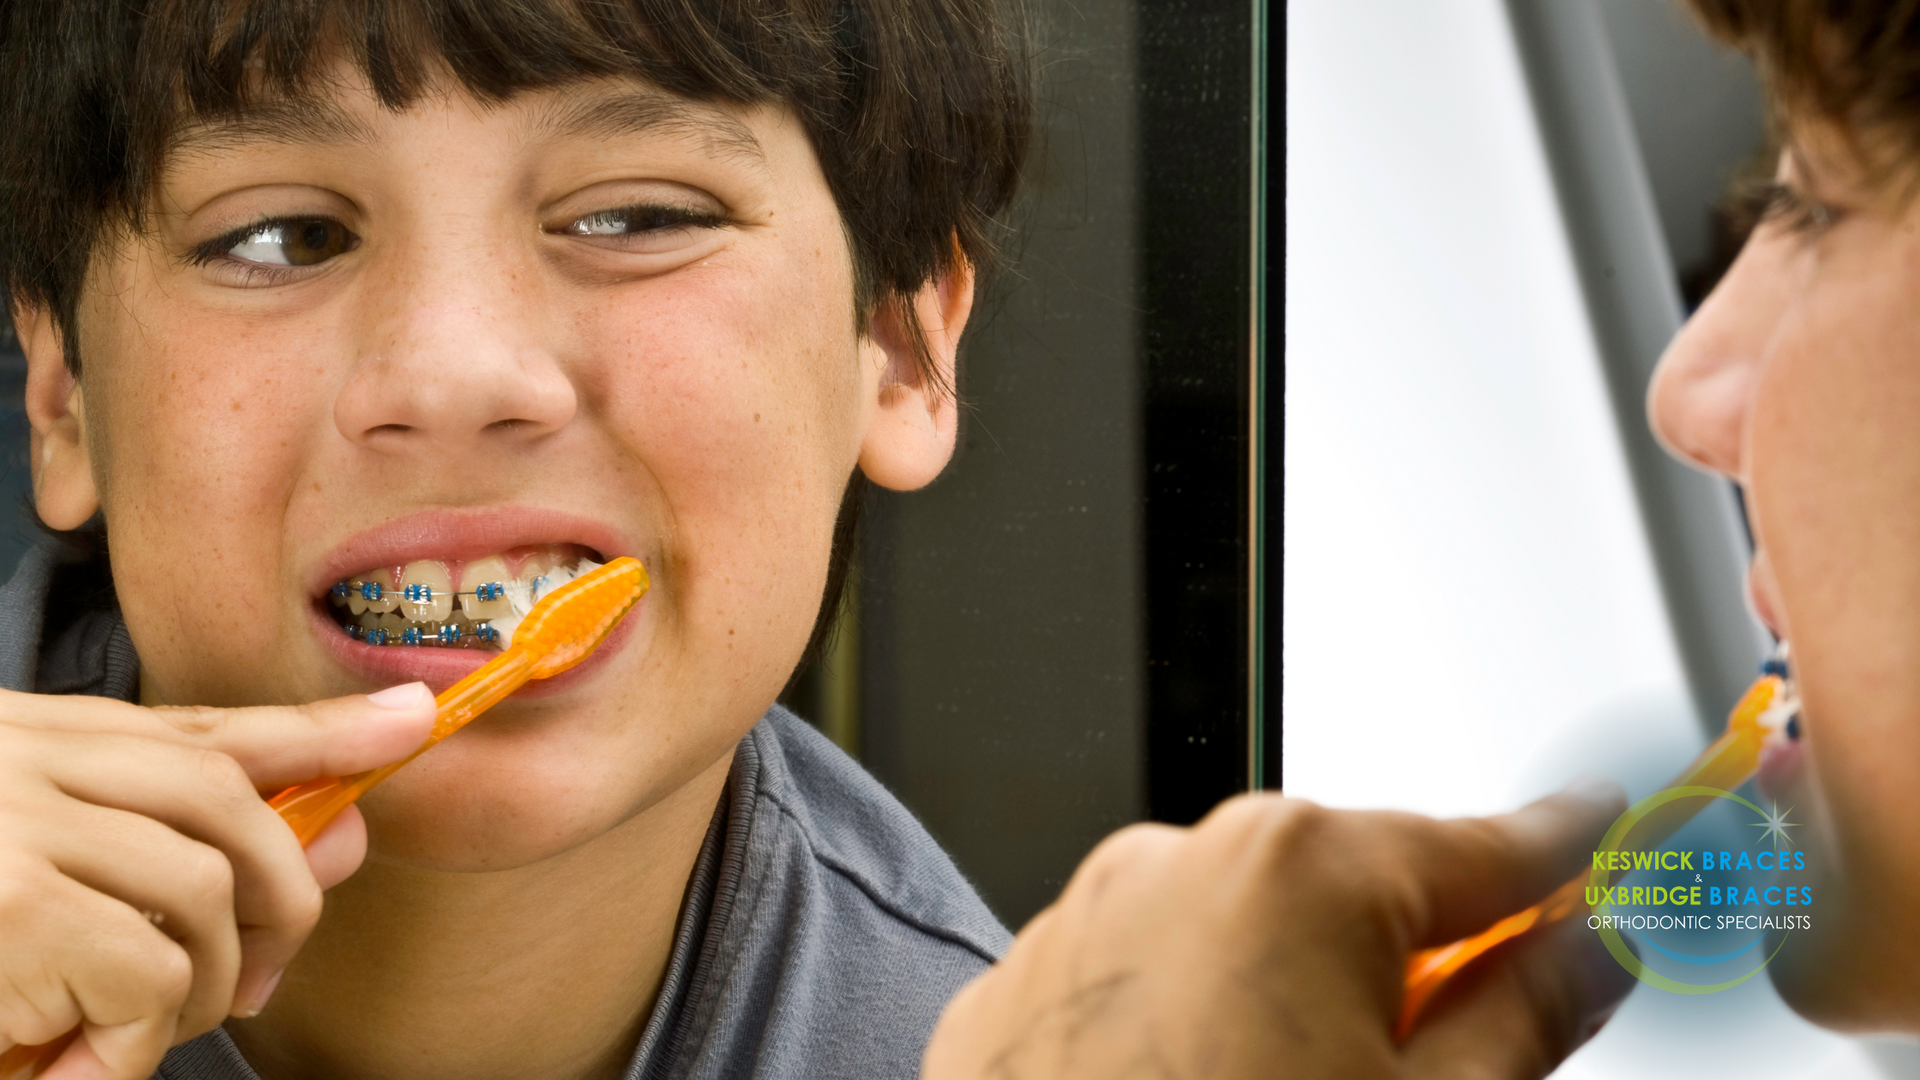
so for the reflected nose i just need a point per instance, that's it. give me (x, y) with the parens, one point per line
(455, 366)
(1702, 391)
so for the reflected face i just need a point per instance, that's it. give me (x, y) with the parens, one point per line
(453, 346)
(1799, 378)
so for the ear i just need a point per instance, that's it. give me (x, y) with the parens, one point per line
(63, 489)
(912, 419)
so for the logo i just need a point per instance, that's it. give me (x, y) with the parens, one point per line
(1702, 910)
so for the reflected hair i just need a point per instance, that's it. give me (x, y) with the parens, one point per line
(919, 110)
(1854, 63)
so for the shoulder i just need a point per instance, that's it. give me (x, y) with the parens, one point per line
(841, 930)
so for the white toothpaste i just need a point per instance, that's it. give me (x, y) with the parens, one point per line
(522, 595)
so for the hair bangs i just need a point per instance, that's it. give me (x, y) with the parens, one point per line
(919, 110)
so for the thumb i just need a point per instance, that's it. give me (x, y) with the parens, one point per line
(1527, 1006)
(280, 745)
(1472, 872)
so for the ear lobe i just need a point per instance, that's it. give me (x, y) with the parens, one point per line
(63, 488)
(912, 416)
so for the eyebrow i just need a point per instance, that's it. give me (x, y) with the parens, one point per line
(617, 113)
(288, 120)
(637, 110)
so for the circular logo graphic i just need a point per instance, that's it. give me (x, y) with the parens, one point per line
(1701, 910)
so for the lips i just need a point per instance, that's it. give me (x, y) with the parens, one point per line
(454, 538)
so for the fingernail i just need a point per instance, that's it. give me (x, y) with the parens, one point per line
(261, 996)
(405, 696)
(1597, 790)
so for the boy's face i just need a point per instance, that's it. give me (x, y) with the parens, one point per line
(1800, 378)
(597, 318)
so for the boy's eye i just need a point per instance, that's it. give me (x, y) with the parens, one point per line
(1783, 203)
(281, 242)
(641, 228)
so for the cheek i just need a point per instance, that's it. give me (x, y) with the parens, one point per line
(198, 427)
(741, 399)
(1835, 455)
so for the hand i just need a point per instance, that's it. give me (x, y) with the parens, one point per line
(1272, 940)
(146, 890)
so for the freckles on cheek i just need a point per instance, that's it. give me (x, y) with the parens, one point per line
(735, 386)
(730, 394)
(203, 426)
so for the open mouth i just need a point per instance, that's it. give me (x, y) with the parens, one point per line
(453, 604)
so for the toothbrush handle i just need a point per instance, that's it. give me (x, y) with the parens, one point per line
(310, 807)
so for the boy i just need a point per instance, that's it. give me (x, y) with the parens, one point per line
(442, 295)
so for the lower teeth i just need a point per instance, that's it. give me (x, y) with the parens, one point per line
(437, 635)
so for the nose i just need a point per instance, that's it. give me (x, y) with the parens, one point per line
(1702, 390)
(454, 362)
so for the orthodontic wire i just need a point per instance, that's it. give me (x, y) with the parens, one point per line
(417, 593)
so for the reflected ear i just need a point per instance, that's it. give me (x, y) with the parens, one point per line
(912, 417)
(63, 489)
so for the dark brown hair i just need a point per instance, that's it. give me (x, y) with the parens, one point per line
(1855, 63)
(918, 109)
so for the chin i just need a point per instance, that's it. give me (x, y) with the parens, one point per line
(1856, 971)
(454, 816)
(473, 837)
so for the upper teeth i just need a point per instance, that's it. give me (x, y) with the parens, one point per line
(422, 598)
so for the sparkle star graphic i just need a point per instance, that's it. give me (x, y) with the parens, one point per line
(1776, 826)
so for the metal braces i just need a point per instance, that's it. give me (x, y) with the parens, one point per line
(448, 634)
(419, 593)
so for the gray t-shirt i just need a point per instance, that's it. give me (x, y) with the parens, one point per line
(822, 932)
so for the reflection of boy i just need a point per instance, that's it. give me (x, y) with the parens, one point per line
(310, 291)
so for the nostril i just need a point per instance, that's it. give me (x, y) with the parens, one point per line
(390, 429)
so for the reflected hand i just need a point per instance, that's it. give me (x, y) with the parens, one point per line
(1272, 939)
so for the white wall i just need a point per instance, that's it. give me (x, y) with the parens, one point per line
(1470, 613)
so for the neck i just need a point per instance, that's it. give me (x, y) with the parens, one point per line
(546, 972)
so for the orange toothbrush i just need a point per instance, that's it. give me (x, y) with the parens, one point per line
(1725, 764)
(559, 631)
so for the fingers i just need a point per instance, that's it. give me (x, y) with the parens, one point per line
(1472, 872)
(192, 823)
(182, 887)
(145, 887)
(337, 852)
(278, 745)
(1527, 1007)
(72, 954)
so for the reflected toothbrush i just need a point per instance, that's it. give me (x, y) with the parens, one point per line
(563, 628)
(1768, 713)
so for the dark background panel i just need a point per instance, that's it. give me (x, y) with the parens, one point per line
(17, 529)
(1195, 81)
(1001, 655)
